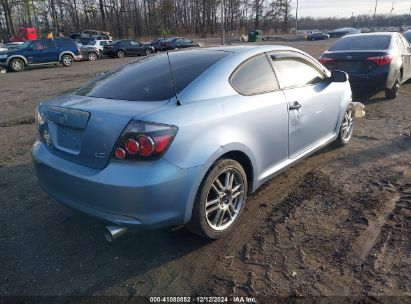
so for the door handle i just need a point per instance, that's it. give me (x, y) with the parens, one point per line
(295, 106)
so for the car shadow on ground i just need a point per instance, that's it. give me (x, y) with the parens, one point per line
(52, 250)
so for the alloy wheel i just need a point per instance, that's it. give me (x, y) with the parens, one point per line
(92, 57)
(17, 65)
(347, 125)
(67, 60)
(224, 199)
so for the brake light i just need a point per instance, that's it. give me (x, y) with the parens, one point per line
(381, 60)
(325, 60)
(144, 141)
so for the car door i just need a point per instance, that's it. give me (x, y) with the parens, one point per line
(313, 102)
(406, 56)
(51, 51)
(138, 48)
(36, 52)
(179, 43)
(128, 47)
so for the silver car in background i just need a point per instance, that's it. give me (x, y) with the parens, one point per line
(185, 137)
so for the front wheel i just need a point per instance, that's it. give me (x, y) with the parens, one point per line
(147, 52)
(67, 60)
(220, 200)
(393, 92)
(347, 127)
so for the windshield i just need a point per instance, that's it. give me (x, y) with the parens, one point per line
(150, 79)
(377, 42)
(26, 44)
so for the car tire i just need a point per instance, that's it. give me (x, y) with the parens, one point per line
(67, 60)
(220, 200)
(121, 54)
(346, 128)
(92, 56)
(16, 65)
(147, 52)
(393, 92)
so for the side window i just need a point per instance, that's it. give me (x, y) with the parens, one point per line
(50, 44)
(296, 72)
(188, 40)
(37, 45)
(179, 40)
(255, 76)
(103, 43)
(125, 43)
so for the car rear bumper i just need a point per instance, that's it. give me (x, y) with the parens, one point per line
(139, 195)
(109, 52)
(374, 79)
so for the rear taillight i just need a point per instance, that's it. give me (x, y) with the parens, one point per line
(381, 60)
(144, 141)
(325, 60)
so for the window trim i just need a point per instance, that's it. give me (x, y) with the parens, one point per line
(239, 67)
(299, 56)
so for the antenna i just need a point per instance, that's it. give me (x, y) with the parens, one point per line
(172, 78)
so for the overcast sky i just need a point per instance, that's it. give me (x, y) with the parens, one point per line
(344, 8)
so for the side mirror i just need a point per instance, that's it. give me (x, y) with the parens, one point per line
(338, 76)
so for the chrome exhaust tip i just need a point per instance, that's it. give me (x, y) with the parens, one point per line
(111, 232)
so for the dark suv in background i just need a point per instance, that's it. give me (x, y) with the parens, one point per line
(40, 52)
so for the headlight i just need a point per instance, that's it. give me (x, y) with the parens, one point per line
(39, 117)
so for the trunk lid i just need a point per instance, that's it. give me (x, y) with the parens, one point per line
(352, 61)
(84, 130)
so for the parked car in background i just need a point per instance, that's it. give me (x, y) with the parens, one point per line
(373, 60)
(89, 53)
(98, 44)
(156, 44)
(40, 52)
(9, 46)
(96, 34)
(158, 161)
(175, 43)
(344, 31)
(318, 36)
(407, 36)
(124, 48)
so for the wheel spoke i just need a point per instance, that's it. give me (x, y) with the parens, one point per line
(214, 187)
(231, 209)
(235, 189)
(235, 195)
(228, 177)
(218, 184)
(213, 202)
(212, 209)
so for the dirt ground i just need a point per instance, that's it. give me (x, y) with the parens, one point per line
(336, 224)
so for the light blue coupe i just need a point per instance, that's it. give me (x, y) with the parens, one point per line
(184, 137)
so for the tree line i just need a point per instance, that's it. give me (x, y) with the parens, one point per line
(151, 18)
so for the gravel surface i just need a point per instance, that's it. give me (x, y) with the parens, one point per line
(335, 224)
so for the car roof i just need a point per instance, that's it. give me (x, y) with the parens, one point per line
(372, 34)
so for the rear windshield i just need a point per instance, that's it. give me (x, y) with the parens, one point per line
(150, 79)
(362, 43)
